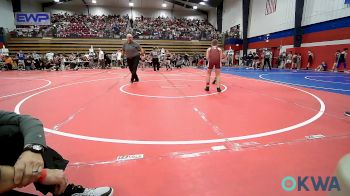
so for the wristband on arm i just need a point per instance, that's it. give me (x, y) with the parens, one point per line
(42, 176)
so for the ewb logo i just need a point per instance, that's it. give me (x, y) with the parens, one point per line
(41, 18)
(312, 183)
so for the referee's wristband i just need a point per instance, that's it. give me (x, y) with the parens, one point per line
(42, 176)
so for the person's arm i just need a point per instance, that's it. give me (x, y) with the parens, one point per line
(31, 128)
(53, 177)
(123, 50)
(7, 174)
(141, 49)
(222, 55)
(33, 133)
(207, 54)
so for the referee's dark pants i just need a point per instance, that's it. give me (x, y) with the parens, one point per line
(156, 64)
(133, 62)
(11, 148)
(268, 61)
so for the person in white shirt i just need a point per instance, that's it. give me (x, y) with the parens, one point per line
(20, 57)
(4, 51)
(36, 56)
(91, 52)
(237, 58)
(119, 58)
(162, 52)
(49, 56)
(267, 58)
(155, 59)
(230, 54)
(101, 58)
(114, 58)
(63, 60)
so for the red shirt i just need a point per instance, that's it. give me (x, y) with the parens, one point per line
(214, 55)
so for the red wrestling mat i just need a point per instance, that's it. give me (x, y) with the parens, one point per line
(243, 141)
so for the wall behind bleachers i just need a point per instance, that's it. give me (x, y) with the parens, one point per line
(316, 11)
(31, 6)
(6, 15)
(280, 20)
(232, 14)
(212, 17)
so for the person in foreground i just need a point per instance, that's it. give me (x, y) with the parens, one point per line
(25, 158)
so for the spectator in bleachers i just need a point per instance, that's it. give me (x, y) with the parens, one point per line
(112, 26)
(234, 32)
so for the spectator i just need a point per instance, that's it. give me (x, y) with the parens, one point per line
(114, 59)
(255, 60)
(107, 61)
(289, 59)
(294, 61)
(337, 55)
(282, 60)
(322, 67)
(101, 58)
(20, 57)
(28, 63)
(49, 56)
(8, 62)
(267, 59)
(230, 54)
(237, 58)
(119, 58)
(250, 58)
(299, 61)
(342, 59)
(310, 59)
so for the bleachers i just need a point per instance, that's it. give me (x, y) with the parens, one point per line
(65, 45)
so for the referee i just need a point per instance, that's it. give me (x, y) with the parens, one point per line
(131, 50)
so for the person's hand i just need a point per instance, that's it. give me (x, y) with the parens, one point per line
(56, 177)
(27, 168)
